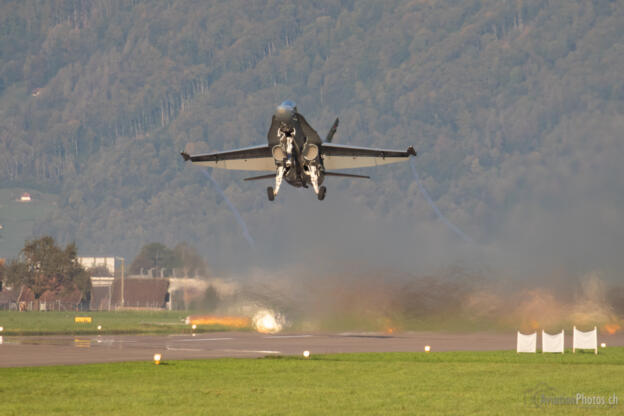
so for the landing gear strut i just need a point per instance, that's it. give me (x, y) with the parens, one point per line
(278, 179)
(313, 177)
(321, 193)
(270, 193)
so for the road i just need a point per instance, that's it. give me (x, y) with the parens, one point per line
(67, 350)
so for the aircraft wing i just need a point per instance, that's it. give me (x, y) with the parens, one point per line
(337, 156)
(248, 158)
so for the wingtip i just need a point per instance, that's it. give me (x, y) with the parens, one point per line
(411, 151)
(185, 156)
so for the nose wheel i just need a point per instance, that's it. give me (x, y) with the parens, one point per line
(270, 193)
(321, 194)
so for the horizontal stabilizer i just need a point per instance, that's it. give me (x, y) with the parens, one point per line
(346, 175)
(255, 178)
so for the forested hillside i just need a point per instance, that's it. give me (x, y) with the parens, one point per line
(515, 107)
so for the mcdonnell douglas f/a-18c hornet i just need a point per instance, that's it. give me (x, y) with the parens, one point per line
(296, 153)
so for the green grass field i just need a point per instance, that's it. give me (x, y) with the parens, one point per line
(481, 383)
(126, 322)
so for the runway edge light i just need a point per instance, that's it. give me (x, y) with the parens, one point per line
(157, 358)
(306, 354)
(427, 348)
(603, 345)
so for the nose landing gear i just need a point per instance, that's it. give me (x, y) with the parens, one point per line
(270, 193)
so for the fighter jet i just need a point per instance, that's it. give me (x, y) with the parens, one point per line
(296, 153)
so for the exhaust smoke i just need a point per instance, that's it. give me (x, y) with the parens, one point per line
(424, 192)
(239, 219)
(390, 302)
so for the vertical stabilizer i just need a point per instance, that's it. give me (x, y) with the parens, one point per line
(332, 131)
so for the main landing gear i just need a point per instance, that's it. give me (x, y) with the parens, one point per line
(321, 193)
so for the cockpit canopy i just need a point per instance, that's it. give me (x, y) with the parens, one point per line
(286, 111)
(288, 105)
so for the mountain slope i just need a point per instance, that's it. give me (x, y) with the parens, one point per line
(515, 108)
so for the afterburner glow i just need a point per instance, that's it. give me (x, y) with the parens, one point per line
(267, 322)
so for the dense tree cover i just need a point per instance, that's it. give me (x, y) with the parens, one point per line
(153, 256)
(515, 107)
(44, 266)
(158, 257)
(188, 261)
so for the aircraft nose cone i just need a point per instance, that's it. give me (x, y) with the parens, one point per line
(283, 113)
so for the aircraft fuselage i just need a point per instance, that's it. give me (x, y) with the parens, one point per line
(296, 154)
(295, 147)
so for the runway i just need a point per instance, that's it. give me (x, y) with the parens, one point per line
(68, 350)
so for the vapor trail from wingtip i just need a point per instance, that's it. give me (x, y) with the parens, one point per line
(453, 227)
(239, 219)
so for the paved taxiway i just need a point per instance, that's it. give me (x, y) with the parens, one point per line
(62, 350)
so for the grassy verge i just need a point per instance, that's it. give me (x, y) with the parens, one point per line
(126, 322)
(480, 383)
